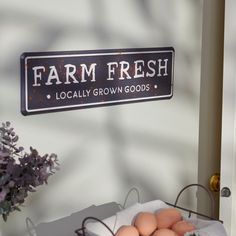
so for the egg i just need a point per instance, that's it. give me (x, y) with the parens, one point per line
(146, 223)
(183, 227)
(167, 217)
(127, 230)
(164, 232)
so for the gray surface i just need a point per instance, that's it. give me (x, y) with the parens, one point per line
(66, 226)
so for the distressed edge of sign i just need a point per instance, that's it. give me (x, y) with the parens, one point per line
(123, 50)
(22, 85)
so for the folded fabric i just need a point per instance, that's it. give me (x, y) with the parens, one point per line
(154, 206)
(126, 217)
(207, 228)
(123, 217)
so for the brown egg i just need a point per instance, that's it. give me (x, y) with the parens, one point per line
(127, 230)
(164, 232)
(183, 227)
(146, 223)
(167, 217)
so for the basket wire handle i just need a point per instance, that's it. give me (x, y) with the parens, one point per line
(135, 190)
(203, 187)
(128, 195)
(30, 225)
(92, 218)
(121, 206)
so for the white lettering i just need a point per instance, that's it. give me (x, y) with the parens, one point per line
(75, 95)
(69, 94)
(138, 73)
(124, 67)
(111, 69)
(37, 75)
(137, 88)
(89, 71)
(72, 95)
(53, 75)
(70, 71)
(151, 68)
(161, 67)
(107, 90)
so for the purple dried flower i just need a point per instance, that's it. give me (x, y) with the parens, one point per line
(20, 172)
(3, 194)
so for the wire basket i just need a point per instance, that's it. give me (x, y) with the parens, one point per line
(82, 230)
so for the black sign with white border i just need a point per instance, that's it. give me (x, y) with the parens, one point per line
(58, 81)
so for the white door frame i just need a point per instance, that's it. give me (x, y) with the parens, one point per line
(228, 155)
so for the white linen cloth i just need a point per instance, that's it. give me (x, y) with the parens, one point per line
(206, 228)
(126, 217)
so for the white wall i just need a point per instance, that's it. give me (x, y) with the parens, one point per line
(105, 151)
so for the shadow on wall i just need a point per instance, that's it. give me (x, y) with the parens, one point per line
(39, 30)
(105, 151)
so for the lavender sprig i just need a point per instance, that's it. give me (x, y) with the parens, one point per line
(20, 172)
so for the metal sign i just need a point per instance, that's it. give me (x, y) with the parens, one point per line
(58, 81)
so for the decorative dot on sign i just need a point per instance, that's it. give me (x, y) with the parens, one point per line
(155, 86)
(48, 96)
